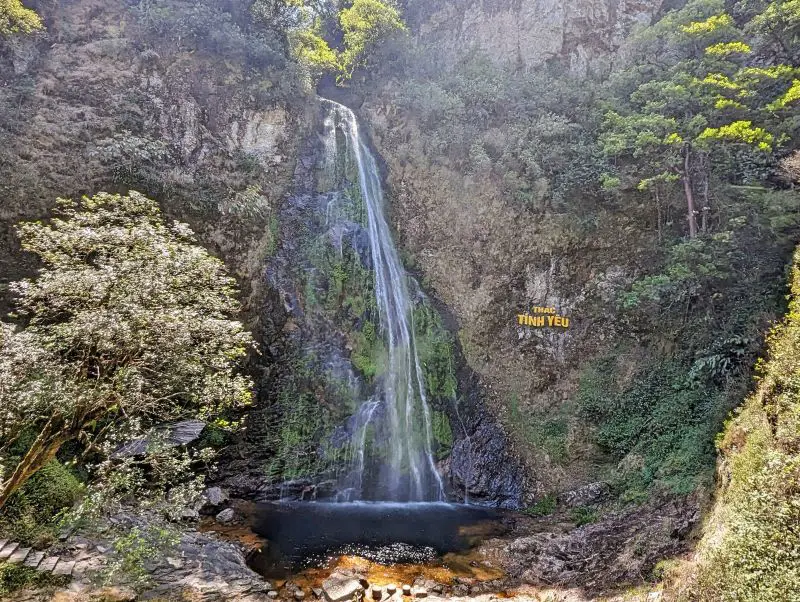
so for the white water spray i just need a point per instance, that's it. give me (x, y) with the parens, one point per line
(412, 474)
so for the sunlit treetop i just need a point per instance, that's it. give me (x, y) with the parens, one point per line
(360, 25)
(15, 18)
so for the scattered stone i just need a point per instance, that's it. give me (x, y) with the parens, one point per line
(272, 594)
(339, 587)
(420, 592)
(460, 590)
(299, 594)
(406, 590)
(317, 592)
(226, 516)
(175, 563)
(437, 588)
(585, 496)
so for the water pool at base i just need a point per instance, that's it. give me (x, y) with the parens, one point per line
(304, 537)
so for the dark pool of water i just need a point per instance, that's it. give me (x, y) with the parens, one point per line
(308, 534)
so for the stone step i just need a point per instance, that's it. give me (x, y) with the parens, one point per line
(19, 555)
(3, 542)
(34, 558)
(7, 550)
(48, 564)
(64, 568)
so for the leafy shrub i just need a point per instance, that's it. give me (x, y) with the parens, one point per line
(31, 513)
(659, 419)
(750, 552)
(15, 18)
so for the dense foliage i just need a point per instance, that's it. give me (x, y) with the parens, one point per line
(750, 549)
(128, 324)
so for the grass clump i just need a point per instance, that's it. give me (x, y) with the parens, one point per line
(543, 507)
(583, 515)
(14, 577)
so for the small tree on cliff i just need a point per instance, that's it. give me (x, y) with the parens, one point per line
(128, 319)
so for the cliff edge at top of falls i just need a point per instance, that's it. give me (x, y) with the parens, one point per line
(583, 34)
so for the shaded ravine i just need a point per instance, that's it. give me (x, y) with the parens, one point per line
(409, 435)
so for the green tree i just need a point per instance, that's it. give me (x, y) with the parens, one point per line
(364, 24)
(313, 27)
(128, 320)
(15, 18)
(699, 102)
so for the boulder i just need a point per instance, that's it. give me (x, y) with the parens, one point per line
(190, 514)
(585, 496)
(339, 588)
(174, 435)
(226, 516)
(216, 496)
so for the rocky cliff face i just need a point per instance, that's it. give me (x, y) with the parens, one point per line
(579, 33)
(114, 97)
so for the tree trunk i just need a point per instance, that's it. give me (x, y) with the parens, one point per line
(705, 166)
(44, 449)
(687, 189)
(658, 207)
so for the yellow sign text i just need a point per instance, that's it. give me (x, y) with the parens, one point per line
(541, 321)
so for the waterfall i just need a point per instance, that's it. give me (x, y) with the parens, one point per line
(408, 471)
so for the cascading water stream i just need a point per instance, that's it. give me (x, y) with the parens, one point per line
(409, 472)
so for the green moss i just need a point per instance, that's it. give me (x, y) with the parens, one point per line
(435, 351)
(442, 434)
(298, 420)
(369, 352)
(544, 432)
